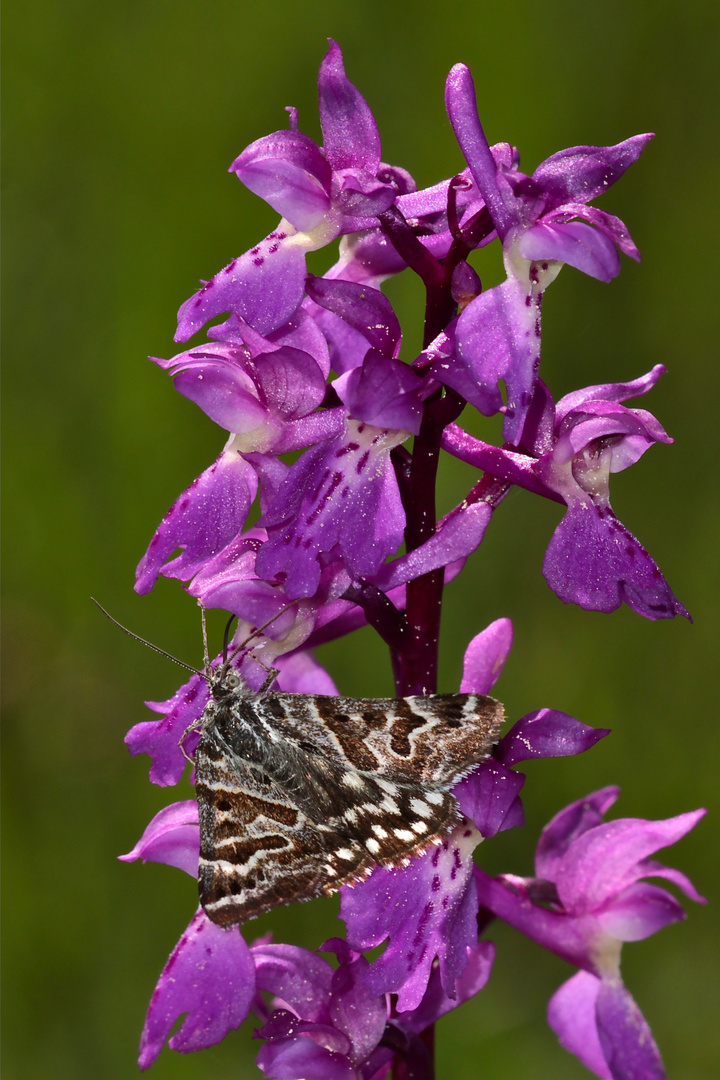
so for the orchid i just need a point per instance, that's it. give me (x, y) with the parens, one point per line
(586, 899)
(498, 334)
(320, 193)
(567, 454)
(303, 549)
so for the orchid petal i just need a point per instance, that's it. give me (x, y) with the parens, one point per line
(546, 733)
(609, 392)
(367, 310)
(172, 837)
(297, 976)
(297, 1058)
(581, 173)
(161, 738)
(489, 797)
(607, 859)
(264, 286)
(573, 243)
(594, 561)
(201, 522)
(210, 976)
(567, 825)
(485, 657)
(571, 1015)
(350, 134)
(426, 909)
(639, 911)
(625, 1037)
(289, 172)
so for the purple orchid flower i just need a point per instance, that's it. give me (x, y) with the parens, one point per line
(587, 899)
(328, 492)
(327, 1024)
(328, 1021)
(568, 453)
(229, 581)
(322, 561)
(429, 909)
(498, 334)
(321, 195)
(263, 390)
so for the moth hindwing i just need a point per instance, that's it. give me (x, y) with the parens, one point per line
(299, 794)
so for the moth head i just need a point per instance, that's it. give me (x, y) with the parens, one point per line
(227, 680)
(232, 679)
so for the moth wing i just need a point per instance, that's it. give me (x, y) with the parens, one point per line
(262, 845)
(257, 848)
(433, 739)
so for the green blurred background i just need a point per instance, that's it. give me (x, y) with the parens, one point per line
(120, 122)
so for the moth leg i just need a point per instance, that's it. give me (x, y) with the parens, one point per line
(272, 674)
(195, 726)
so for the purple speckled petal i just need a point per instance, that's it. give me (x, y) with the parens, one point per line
(581, 173)
(498, 338)
(290, 381)
(350, 134)
(640, 911)
(626, 435)
(341, 493)
(347, 346)
(595, 562)
(426, 909)
(297, 1058)
(296, 976)
(573, 243)
(485, 657)
(359, 198)
(285, 1025)
(457, 536)
(571, 1015)
(607, 859)
(436, 1003)
(210, 976)
(172, 837)
(567, 825)
(161, 738)
(489, 796)
(367, 310)
(201, 522)
(625, 1037)
(289, 172)
(264, 286)
(546, 733)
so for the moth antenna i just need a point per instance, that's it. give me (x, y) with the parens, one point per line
(226, 638)
(206, 650)
(155, 648)
(256, 631)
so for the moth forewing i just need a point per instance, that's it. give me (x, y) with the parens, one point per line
(299, 794)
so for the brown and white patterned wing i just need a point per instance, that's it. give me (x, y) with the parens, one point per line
(433, 739)
(268, 840)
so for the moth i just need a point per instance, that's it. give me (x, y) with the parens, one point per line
(299, 794)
